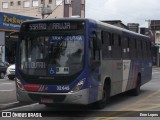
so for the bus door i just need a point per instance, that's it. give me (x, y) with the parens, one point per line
(94, 67)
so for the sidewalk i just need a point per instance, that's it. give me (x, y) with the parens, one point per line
(156, 68)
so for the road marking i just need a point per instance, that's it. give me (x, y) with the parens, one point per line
(131, 107)
(11, 103)
(6, 90)
(6, 83)
(21, 107)
(147, 108)
(139, 101)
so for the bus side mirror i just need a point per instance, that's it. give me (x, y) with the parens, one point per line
(13, 34)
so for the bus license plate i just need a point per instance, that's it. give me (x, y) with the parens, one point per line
(46, 100)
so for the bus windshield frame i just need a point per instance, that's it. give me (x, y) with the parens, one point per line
(60, 41)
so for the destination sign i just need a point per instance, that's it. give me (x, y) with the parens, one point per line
(53, 26)
(67, 38)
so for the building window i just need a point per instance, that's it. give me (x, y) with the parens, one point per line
(4, 5)
(35, 3)
(59, 2)
(42, 1)
(11, 3)
(50, 1)
(26, 4)
(19, 3)
(67, 1)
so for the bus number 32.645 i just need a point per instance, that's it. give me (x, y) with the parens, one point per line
(63, 87)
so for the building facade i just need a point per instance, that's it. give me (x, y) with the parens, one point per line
(33, 8)
(133, 27)
(9, 23)
(155, 29)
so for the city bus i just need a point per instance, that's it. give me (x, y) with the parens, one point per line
(79, 61)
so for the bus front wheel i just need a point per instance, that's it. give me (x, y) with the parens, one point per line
(105, 98)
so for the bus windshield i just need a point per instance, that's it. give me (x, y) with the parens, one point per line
(51, 55)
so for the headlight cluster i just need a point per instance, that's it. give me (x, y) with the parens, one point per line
(19, 84)
(79, 85)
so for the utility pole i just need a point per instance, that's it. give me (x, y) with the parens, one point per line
(43, 15)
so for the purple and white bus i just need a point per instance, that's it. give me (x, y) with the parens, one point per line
(79, 61)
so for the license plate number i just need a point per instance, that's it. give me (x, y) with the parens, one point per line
(46, 100)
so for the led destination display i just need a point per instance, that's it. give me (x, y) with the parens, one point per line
(53, 26)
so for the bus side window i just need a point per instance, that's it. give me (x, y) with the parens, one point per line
(145, 50)
(125, 47)
(139, 51)
(106, 45)
(142, 49)
(94, 48)
(149, 50)
(116, 46)
(132, 47)
(91, 49)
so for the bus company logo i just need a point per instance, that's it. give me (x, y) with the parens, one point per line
(6, 114)
(21, 115)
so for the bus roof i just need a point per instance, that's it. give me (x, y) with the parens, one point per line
(54, 19)
(121, 30)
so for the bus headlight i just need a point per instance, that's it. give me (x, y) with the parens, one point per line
(79, 85)
(19, 84)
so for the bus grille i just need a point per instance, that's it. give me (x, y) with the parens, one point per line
(56, 98)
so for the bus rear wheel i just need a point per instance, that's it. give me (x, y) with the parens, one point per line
(136, 90)
(105, 98)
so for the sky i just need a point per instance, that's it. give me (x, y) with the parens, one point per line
(128, 11)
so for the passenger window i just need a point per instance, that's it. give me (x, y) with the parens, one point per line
(94, 51)
(116, 53)
(125, 47)
(106, 46)
(139, 51)
(91, 49)
(132, 47)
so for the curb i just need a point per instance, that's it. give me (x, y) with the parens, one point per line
(12, 105)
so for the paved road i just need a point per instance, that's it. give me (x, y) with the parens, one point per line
(7, 91)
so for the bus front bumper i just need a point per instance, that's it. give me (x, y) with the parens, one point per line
(80, 97)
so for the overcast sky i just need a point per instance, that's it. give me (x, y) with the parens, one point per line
(128, 11)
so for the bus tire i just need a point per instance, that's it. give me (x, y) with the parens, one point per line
(105, 99)
(136, 90)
